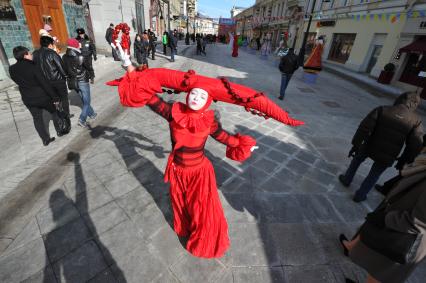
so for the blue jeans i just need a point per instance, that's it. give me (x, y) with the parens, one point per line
(285, 79)
(372, 177)
(84, 92)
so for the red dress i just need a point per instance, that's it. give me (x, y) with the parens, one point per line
(235, 46)
(197, 210)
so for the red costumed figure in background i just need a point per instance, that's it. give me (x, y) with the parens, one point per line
(313, 64)
(197, 210)
(235, 46)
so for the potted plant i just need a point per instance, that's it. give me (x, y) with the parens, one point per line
(387, 74)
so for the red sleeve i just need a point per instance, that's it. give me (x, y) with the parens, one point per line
(136, 89)
(238, 146)
(160, 107)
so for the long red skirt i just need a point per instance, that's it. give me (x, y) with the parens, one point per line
(197, 210)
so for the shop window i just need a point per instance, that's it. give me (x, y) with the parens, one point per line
(416, 63)
(341, 47)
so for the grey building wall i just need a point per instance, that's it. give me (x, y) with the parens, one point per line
(74, 17)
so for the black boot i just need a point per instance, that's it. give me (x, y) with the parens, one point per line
(46, 142)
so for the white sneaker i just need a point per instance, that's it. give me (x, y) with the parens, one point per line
(83, 124)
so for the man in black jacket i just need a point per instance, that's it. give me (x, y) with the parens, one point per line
(108, 38)
(152, 43)
(52, 68)
(173, 45)
(88, 50)
(381, 136)
(37, 94)
(288, 65)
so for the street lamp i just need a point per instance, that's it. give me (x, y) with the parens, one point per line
(305, 38)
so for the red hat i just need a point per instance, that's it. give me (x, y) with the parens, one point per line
(72, 42)
(219, 90)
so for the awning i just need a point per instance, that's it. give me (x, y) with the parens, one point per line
(416, 46)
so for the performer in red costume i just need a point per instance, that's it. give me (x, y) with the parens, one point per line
(235, 46)
(197, 210)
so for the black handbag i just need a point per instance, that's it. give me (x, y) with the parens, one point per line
(72, 84)
(398, 246)
(64, 122)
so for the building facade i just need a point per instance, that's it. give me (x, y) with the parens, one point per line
(364, 36)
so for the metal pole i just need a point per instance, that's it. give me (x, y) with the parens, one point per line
(121, 9)
(168, 15)
(305, 38)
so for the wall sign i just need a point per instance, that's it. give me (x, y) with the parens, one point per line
(326, 24)
(7, 12)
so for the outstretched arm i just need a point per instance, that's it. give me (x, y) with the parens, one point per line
(162, 108)
(239, 147)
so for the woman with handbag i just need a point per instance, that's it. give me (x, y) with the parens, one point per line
(392, 241)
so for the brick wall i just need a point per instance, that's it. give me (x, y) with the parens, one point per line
(74, 16)
(14, 33)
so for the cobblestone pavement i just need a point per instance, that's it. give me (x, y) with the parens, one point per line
(107, 219)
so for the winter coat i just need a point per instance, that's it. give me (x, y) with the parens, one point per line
(165, 39)
(386, 129)
(289, 63)
(140, 51)
(33, 86)
(152, 41)
(407, 214)
(173, 41)
(108, 35)
(50, 63)
(88, 48)
(75, 65)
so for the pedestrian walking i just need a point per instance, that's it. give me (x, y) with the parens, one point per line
(199, 44)
(173, 45)
(419, 162)
(392, 241)
(381, 136)
(108, 38)
(258, 43)
(78, 74)
(52, 68)
(88, 50)
(204, 44)
(46, 31)
(37, 94)
(152, 43)
(165, 40)
(140, 50)
(288, 65)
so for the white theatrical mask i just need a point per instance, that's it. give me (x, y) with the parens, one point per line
(197, 99)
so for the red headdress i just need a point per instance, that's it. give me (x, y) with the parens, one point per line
(125, 37)
(218, 89)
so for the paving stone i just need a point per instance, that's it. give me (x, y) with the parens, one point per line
(321, 177)
(318, 208)
(279, 209)
(312, 274)
(104, 218)
(239, 208)
(268, 141)
(105, 276)
(286, 148)
(22, 263)
(328, 167)
(296, 245)
(109, 172)
(266, 165)
(81, 265)
(310, 187)
(57, 216)
(275, 185)
(150, 220)
(192, 269)
(277, 156)
(85, 181)
(258, 274)
(127, 253)
(350, 211)
(306, 157)
(4, 244)
(43, 276)
(93, 199)
(251, 245)
(30, 233)
(62, 241)
(253, 175)
(122, 185)
(298, 167)
(165, 245)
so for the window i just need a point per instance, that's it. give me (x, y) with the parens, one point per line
(341, 47)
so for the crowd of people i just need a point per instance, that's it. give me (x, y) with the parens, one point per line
(389, 244)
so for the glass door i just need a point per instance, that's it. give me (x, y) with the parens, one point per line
(374, 56)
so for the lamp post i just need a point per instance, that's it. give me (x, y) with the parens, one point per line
(305, 38)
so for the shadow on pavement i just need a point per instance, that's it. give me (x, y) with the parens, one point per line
(91, 258)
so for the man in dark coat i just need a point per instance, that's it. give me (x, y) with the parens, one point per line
(381, 137)
(88, 50)
(173, 45)
(108, 38)
(288, 65)
(37, 94)
(152, 43)
(51, 66)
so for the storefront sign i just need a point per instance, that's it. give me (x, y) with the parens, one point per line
(7, 12)
(326, 24)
